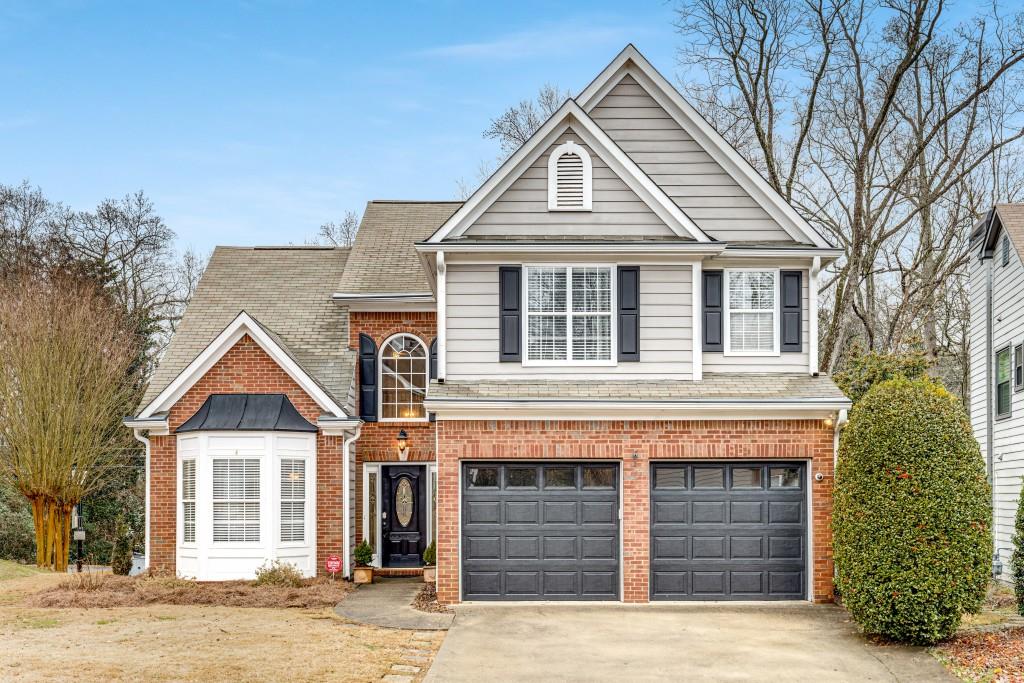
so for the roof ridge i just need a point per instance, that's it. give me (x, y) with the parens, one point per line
(416, 201)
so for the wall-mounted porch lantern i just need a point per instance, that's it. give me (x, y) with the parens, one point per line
(403, 445)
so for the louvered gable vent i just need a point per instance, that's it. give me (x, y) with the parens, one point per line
(569, 178)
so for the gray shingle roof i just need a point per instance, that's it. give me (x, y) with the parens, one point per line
(287, 290)
(1012, 218)
(714, 387)
(384, 258)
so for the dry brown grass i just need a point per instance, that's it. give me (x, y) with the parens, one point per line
(194, 642)
(109, 590)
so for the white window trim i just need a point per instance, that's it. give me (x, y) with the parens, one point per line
(195, 501)
(588, 176)
(380, 380)
(727, 309)
(261, 503)
(309, 485)
(568, 362)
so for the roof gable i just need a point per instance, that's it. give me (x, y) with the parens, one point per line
(736, 169)
(1011, 220)
(522, 209)
(569, 114)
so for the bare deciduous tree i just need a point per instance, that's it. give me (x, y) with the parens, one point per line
(518, 123)
(340, 234)
(879, 124)
(66, 353)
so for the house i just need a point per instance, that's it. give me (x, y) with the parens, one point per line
(595, 379)
(997, 364)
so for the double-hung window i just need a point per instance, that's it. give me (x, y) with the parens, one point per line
(1003, 379)
(236, 500)
(293, 500)
(751, 321)
(569, 315)
(188, 501)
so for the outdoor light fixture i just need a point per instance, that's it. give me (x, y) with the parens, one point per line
(403, 445)
(828, 422)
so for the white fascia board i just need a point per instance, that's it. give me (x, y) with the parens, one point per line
(242, 325)
(571, 115)
(631, 61)
(384, 296)
(638, 410)
(826, 255)
(578, 247)
(156, 426)
(332, 426)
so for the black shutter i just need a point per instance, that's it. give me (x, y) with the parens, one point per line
(791, 332)
(711, 320)
(509, 312)
(433, 370)
(629, 314)
(367, 379)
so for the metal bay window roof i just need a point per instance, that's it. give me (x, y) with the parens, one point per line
(247, 412)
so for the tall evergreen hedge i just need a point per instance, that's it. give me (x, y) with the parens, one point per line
(912, 516)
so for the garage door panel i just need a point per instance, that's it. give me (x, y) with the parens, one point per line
(558, 540)
(745, 537)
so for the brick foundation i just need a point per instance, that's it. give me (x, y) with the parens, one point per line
(245, 368)
(635, 444)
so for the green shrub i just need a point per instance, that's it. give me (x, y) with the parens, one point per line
(864, 369)
(430, 554)
(278, 573)
(17, 532)
(1018, 554)
(912, 513)
(363, 554)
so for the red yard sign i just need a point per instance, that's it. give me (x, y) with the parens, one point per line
(333, 564)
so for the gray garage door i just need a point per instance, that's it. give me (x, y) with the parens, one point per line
(540, 531)
(734, 531)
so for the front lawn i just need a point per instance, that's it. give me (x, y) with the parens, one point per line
(172, 642)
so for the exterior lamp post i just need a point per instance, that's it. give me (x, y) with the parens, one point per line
(403, 445)
(78, 529)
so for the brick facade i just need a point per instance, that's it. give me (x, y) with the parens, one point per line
(245, 368)
(635, 444)
(377, 440)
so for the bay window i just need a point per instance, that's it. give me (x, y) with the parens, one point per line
(569, 315)
(751, 320)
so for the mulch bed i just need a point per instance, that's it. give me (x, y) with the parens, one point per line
(108, 590)
(426, 600)
(995, 656)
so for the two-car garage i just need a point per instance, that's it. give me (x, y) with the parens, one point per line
(552, 530)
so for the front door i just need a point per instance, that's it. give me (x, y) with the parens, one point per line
(403, 515)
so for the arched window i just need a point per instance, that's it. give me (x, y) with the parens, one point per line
(403, 378)
(569, 178)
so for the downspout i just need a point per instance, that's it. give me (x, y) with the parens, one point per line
(144, 440)
(348, 503)
(841, 421)
(989, 358)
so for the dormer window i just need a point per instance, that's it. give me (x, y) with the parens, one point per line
(569, 178)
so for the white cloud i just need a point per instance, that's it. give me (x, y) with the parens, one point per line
(551, 40)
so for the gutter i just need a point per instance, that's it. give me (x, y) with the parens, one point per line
(699, 248)
(405, 297)
(349, 509)
(989, 357)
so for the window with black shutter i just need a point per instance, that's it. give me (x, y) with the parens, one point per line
(510, 313)
(629, 313)
(791, 325)
(367, 378)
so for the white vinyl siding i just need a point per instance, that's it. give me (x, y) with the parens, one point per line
(472, 328)
(188, 501)
(683, 169)
(293, 500)
(1007, 433)
(523, 208)
(236, 500)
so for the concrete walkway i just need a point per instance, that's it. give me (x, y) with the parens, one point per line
(669, 642)
(388, 603)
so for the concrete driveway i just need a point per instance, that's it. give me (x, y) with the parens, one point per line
(669, 642)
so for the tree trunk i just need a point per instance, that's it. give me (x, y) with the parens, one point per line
(39, 521)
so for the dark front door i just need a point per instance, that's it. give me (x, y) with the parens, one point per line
(404, 512)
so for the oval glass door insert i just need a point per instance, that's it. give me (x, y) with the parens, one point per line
(403, 502)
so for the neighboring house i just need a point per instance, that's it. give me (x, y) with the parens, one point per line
(997, 363)
(596, 379)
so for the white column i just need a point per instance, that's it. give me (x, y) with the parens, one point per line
(442, 333)
(698, 336)
(812, 313)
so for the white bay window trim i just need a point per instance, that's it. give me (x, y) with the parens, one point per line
(210, 560)
(569, 315)
(729, 311)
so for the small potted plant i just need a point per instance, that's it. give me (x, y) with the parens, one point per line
(430, 563)
(363, 556)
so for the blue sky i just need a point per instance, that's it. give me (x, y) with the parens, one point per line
(252, 122)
